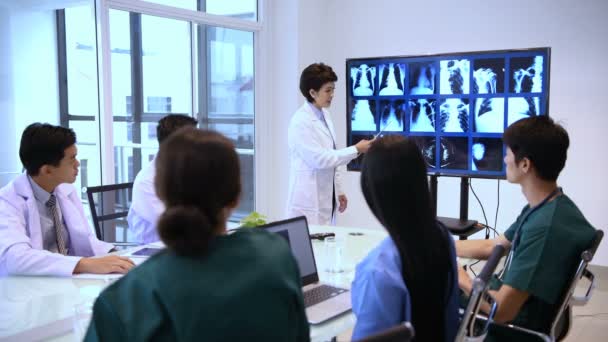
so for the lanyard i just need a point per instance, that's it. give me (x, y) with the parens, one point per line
(517, 236)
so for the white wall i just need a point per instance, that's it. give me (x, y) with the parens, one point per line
(28, 79)
(332, 31)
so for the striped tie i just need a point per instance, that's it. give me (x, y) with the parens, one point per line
(52, 205)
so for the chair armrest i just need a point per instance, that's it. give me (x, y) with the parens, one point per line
(540, 335)
(582, 300)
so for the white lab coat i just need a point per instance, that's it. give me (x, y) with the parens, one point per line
(315, 166)
(146, 207)
(21, 250)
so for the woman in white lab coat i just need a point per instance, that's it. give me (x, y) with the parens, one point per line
(314, 180)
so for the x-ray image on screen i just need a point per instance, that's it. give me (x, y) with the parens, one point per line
(454, 115)
(362, 78)
(489, 76)
(363, 115)
(487, 154)
(453, 153)
(521, 108)
(527, 74)
(392, 79)
(428, 148)
(422, 115)
(489, 115)
(392, 115)
(454, 76)
(422, 78)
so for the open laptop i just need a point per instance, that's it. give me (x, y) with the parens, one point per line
(322, 301)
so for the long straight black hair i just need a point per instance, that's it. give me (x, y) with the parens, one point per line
(395, 186)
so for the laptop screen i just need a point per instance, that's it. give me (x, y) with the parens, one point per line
(295, 231)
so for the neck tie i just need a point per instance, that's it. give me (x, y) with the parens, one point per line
(52, 205)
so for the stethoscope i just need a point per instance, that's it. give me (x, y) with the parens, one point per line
(517, 236)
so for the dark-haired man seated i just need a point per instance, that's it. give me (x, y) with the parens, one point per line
(547, 238)
(146, 208)
(43, 228)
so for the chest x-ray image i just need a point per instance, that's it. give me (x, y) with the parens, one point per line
(422, 78)
(363, 115)
(489, 115)
(392, 79)
(487, 154)
(454, 76)
(489, 76)
(521, 108)
(527, 74)
(428, 148)
(453, 115)
(453, 153)
(362, 78)
(422, 115)
(392, 115)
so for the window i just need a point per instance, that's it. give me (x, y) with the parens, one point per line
(242, 9)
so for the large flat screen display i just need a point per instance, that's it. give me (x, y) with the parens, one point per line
(455, 106)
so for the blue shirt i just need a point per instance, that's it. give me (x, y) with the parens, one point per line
(47, 224)
(381, 299)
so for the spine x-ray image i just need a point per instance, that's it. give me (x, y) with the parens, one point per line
(422, 115)
(527, 74)
(454, 115)
(489, 115)
(453, 153)
(392, 77)
(392, 114)
(362, 115)
(488, 76)
(521, 108)
(454, 76)
(428, 149)
(422, 78)
(363, 80)
(487, 154)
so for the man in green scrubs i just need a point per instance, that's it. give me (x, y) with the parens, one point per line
(547, 238)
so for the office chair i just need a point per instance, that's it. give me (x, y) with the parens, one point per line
(470, 328)
(403, 332)
(110, 211)
(562, 320)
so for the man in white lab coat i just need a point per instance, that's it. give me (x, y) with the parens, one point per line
(43, 228)
(146, 208)
(315, 189)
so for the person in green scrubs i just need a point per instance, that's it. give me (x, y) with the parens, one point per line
(208, 284)
(547, 238)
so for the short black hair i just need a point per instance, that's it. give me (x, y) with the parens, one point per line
(44, 144)
(314, 77)
(542, 141)
(172, 123)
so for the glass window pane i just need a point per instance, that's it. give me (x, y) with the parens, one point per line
(241, 9)
(120, 45)
(230, 99)
(82, 94)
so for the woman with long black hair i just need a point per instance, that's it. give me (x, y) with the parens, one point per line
(411, 276)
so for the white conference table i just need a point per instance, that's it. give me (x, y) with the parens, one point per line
(57, 309)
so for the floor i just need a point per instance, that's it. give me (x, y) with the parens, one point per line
(590, 322)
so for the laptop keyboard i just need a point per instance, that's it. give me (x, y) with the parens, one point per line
(321, 293)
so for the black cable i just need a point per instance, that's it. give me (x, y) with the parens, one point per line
(497, 205)
(482, 210)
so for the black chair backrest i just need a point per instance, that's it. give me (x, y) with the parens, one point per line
(561, 318)
(403, 332)
(108, 204)
(478, 296)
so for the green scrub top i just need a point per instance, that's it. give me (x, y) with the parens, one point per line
(551, 241)
(247, 288)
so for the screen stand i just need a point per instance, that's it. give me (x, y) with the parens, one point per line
(463, 227)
